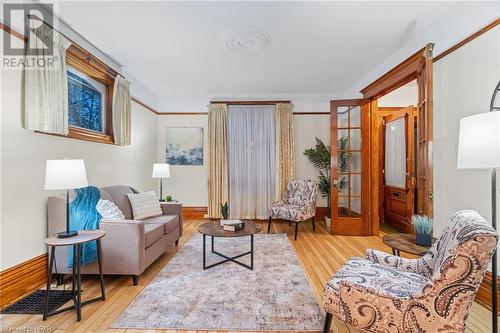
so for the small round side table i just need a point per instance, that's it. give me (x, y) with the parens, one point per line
(83, 236)
(405, 243)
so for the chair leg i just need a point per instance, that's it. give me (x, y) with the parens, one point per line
(296, 229)
(314, 226)
(269, 225)
(328, 323)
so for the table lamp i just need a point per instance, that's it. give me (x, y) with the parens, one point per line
(479, 148)
(65, 175)
(161, 170)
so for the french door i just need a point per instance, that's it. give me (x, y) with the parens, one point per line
(349, 167)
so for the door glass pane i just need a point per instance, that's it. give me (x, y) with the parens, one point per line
(343, 117)
(355, 184)
(343, 161)
(343, 184)
(343, 206)
(355, 209)
(343, 139)
(355, 139)
(355, 162)
(355, 115)
(395, 153)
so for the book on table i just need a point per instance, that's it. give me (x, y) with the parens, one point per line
(234, 226)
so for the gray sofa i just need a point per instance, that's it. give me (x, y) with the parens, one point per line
(129, 246)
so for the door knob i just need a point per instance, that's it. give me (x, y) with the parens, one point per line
(335, 182)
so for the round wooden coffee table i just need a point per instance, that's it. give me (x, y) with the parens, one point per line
(214, 229)
(405, 243)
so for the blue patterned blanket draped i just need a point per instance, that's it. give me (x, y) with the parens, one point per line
(84, 216)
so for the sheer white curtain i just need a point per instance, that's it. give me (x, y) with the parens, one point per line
(395, 153)
(251, 160)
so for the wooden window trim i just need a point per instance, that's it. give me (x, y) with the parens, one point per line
(81, 60)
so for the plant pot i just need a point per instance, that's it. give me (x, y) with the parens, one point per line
(328, 221)
(423, 239)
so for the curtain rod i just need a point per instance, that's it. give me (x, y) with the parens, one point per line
(109, 69)
(249, 102)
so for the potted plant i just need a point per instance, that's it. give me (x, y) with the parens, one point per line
(169, 198)
(320, 157)
(423, 230)
(224, 211)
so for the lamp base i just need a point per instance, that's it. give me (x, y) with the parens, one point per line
(67, 234)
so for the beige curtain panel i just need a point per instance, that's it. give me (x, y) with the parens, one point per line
(285, 153)
(217, 159)
(46, 86)
(121, 111)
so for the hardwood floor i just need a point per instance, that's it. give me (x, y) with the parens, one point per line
(320, 254)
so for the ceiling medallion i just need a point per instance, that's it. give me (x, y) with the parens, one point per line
(247, 39)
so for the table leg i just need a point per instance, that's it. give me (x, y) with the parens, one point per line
(73, 277)
(212, 243)
(393, 251)
(78, 284)
(49, 277)
(251, 252)
(204, 250)
(99, 262)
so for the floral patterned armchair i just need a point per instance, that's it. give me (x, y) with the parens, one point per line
(299, 204)
(385, 293)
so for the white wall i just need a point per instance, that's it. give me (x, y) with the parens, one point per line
(403, 96)
(189, 183)
(464, 82)
(23, 155)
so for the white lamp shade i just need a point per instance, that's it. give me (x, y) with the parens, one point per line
(161, 170)
(65, 174)
(479, 141)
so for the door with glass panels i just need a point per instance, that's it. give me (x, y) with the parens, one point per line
(349, 167)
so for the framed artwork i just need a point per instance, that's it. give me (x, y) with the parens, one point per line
(184, 145)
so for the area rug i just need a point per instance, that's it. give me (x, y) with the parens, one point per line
(276, 295)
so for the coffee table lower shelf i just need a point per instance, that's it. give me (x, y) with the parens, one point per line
(226, 258)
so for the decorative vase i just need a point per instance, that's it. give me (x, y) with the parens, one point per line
(423, 239)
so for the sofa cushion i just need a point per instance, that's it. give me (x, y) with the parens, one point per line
(109, 211)
(119, 195)
(145, 205)
(170, 222)
(153, 233)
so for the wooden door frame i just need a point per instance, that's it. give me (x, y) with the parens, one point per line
(407, 71)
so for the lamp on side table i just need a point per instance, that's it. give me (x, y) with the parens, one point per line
(65, 175)
(161, 170)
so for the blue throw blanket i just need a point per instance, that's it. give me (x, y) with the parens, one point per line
(84, 216)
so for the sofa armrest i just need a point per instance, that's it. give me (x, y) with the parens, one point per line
(174, 208)
(123, 247)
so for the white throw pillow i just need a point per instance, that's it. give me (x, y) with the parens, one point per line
(145, 205)
(109, 211)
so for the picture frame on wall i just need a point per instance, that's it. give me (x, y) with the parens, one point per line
(184, 146)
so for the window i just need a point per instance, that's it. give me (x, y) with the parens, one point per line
(90, 93)
(86, 100)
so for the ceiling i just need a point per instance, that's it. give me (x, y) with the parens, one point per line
(178, 48)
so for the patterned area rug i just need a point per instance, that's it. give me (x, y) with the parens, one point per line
(276, 295)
